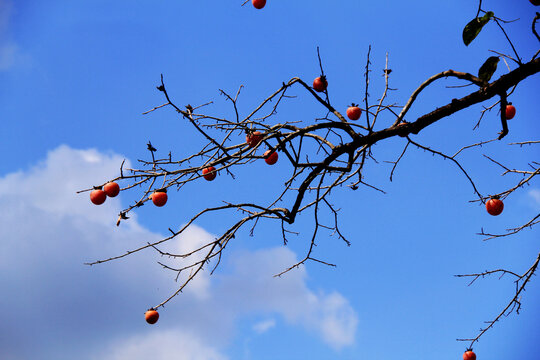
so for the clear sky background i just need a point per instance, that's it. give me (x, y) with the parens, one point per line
(75, 78)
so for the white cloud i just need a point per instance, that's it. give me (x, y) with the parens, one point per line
(252, 287)
(264, 326)
(339, 321)
(161, 345)
(191, 239)
(48, 231)
(51, 186)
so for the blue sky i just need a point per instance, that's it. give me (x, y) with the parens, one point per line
(75, 78)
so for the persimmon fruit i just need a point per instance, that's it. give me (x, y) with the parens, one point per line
(159, 198)
(209, 173)
(494, 206)
(270, 157)
(320, 83)
(98, 196)
(258, 4)
(111, 189)
(354, 112)
(253, 139)
(469, 355)
(510, 111)
(151, 316)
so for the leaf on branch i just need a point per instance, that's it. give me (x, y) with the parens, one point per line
(488, 68)
(473, 28)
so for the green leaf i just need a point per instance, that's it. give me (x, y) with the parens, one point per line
(488, 68)
(473, 28)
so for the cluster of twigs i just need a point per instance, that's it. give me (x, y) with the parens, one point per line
(515, 303)
(324, 155)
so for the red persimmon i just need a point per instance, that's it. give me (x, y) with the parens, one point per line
(320, 84)
(151, 316)
(111, 189)
(354, 112)
(270, 157)
(209, 173)
(98, 196)
(258, 4)
(469, 355)
(159, 198)
(253, 139)
(494, 206)
(510, 111)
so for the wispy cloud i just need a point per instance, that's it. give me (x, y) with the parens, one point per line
(264, 326)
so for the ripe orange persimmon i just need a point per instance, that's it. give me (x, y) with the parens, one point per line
(258, 4)
(270, 157)
(354, 112)
(159, 197)
(320, 84)
(151, 316)
(98, 196)
(469, 355)
(494, 206)
(111, 189)
(253, 139)
(209, 173)
(510, 111)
